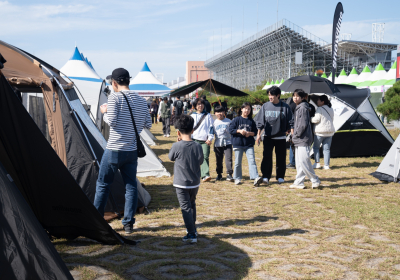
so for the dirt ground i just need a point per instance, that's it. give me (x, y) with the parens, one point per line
(349, 229)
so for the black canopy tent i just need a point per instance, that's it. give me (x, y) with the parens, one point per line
(210, 85)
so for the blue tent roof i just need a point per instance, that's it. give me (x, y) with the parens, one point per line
(148, 87)
(77, 55)
(145, 68)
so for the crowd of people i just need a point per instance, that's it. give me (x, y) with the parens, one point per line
(275, 124)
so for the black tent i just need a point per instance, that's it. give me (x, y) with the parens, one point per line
(210, 85)
(54, 196)
(26, 251)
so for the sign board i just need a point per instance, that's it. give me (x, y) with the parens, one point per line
(398, 64)
(299, 58)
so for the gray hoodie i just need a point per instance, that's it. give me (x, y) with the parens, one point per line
(302, 136)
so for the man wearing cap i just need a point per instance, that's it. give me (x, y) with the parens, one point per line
(121, 151)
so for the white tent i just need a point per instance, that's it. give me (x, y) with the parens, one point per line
(267, 86)
(363, 78)
(146, 84)
(330, 77)
(87, 81)
(391, 76)
(352, 77)
(389, 169)
(342, 78)
(378, 79)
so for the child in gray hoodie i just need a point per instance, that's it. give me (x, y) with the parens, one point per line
(302, 140)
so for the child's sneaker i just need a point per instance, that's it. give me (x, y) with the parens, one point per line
(237, 181)
(219, 177)
(229, 178)
(257, 181)
(316, 165)
(191, 238)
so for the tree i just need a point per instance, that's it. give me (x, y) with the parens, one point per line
(391, 107)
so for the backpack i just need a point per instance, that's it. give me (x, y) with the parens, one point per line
(179, 104)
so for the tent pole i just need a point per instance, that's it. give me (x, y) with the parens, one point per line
(83, 131)
(219, 101)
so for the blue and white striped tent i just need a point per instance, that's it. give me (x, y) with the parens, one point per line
(80, 70)
(146, 84)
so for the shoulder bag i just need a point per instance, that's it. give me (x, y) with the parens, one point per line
(140, 148)
(200, 121)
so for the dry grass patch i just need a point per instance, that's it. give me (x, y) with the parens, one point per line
(347, 230)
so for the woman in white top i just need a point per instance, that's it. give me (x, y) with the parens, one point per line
(203, 134)
(324, 130)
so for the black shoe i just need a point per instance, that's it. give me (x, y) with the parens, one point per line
(219, 177)
(128, 228)
(290, 166)
(229, 178)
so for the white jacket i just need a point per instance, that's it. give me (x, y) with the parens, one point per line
(206, 130)
(324, 121)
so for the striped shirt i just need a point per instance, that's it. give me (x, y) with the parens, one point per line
(122, 133)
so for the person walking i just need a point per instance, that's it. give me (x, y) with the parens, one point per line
(153, 111)
(302, 139)
(177, 108)
(121, 150)
(203, 134)
(243, 128)
(292, 161)
(274, 118)
(188, 157)
(324, 130)
(222, 144)
(165, 116)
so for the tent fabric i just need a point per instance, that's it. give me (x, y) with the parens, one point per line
(363, 78)
(52, 193)
(146, 84)
(342, 78)
(26, 251)
(210, 85)
(389, 169)
(379, 77)
(148, 137)
(352, 95)
(391, 75)
(19, 65)
(352, 76)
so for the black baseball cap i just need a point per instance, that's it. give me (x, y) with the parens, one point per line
(119, 75)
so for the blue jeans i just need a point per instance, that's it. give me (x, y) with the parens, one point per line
(126, 162)
(237, 172)
(292, 159)
(326, 145)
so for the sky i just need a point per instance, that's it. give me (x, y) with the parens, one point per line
(167, 33)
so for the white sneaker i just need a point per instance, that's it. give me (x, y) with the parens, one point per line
(294, 186)
(280, 181)
(326, 167)
(207, 179)
(265, 181)
(257, 181)
(237, 181)
(167, 135)
(316, 185)
(316, 165)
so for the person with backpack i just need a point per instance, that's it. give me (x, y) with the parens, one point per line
(274, 118)
(177, 108)
(185, 106)
(165, 116)
(243, 128)
(203, 133)
(324, 130)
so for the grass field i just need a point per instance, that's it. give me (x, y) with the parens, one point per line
(349, 229)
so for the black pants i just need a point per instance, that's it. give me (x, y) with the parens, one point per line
(219, 155)
(153, 118)
(280, 153)
(165, 128)
(187, 201)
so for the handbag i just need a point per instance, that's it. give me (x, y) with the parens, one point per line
(140, 147)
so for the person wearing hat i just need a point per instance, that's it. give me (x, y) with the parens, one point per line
(121, 151)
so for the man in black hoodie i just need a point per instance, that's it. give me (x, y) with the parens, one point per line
(274, 118)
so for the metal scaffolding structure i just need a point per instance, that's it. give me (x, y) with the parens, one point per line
(270, 55)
